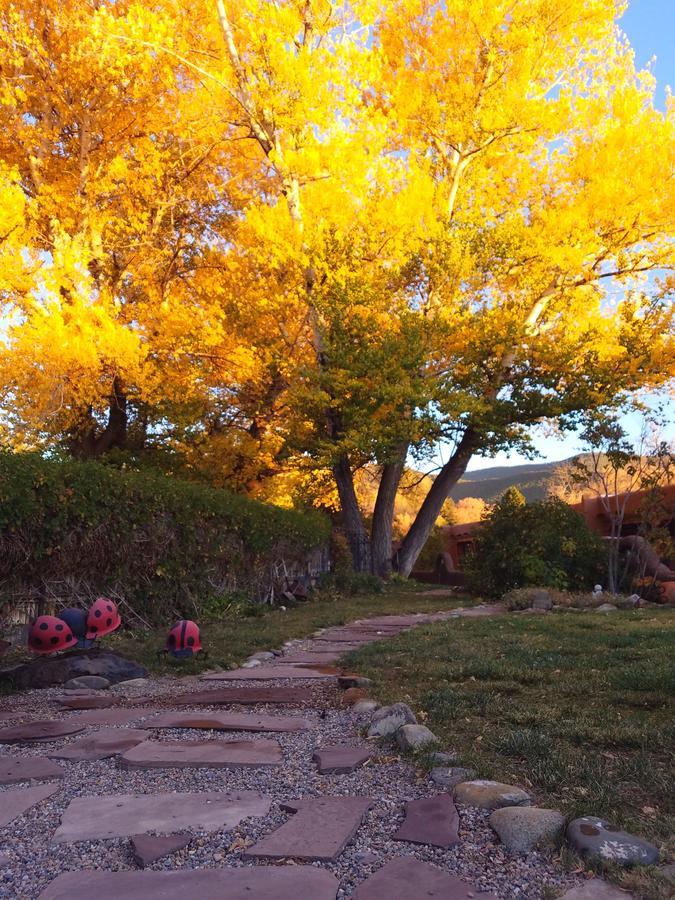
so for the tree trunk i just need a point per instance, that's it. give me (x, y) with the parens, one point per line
(430, 510)
(352, 521)
(383, 516)
(89, 443)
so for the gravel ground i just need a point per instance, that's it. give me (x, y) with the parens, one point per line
(479, 859)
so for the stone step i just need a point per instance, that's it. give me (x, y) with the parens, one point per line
(43, 730)
(14, 769)
(228, 722)
(16, 802)
(406, 878)
(247, 883)
(296, 696)
(268, 673)
(112, 716)
(431, 820)
(202, 754)
(339, 760)
(101, 744)
(319, 830)
(122, 815)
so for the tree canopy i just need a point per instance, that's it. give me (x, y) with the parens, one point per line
(268, 243)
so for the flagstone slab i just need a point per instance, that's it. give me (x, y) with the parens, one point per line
(320, 829)
(86, 702)
(304, 657)
(406, 877)
(14, 769)
(341, 647)
(247, 696)
(340, 760)
(431, 820)
(202, 754)
(263, 673)
(148, 848)
(228, 722)
(121, 815)
(16, 802)
(245, 883)
(113, 716)
(44, 730)
(348, 637)
(101, 744)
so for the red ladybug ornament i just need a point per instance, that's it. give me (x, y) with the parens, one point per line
(102, 618)
(48, 635)
(183, 640)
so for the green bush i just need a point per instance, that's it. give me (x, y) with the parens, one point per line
(349, 583)
(545, 544)
(71, 530)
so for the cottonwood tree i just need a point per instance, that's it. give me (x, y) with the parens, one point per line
(414, 209)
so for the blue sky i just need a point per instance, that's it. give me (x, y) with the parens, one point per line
(650, 26)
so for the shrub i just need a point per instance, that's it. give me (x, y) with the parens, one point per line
(520, 598)
(546, 543)
(72, 530)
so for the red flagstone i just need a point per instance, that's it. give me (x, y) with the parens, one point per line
(265, 673)
(148, 848)
(202, 754)
(39, 731)
(14, 769)
(340, 760)
(320, 829)
(16, 802)
(406, 878)
(244, 883)
(246, 696)
(101, 744)
(431, 820)
(227, 721)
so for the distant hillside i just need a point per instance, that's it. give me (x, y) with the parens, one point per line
(532, 479)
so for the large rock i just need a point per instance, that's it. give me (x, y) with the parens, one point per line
(46, 671)
(596, 838)
(415, 737)
(365, 706)
(491, 794)
(449, 776)
(606, 607)
(596, 889)
(387, 720)
(93, 682)
(542, 600)
(523, 828)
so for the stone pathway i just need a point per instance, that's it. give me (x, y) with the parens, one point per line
(306, 805)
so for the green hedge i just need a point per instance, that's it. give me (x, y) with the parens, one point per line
(71, 530)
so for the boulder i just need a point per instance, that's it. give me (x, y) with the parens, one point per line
(542, 600)
(387, 720)
(606, 607)
(365, 706)
(524, 828)
(415, 737)
(352, 695)
(46, 671)
(93, 682)
(444, 758)
(491, 794)
(251, 664)
(262, 654)
(448, 777)
(594, 837)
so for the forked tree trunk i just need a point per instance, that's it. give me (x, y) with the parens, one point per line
(430, 510)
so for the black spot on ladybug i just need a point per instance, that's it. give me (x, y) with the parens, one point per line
(108, 606)
(98, 613)
(108, 622)
(43, 626)
(58, 628)
(54, 640)
(93, 628)
(37, 641)
(190, 642)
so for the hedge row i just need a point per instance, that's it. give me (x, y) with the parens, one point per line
(72, 530)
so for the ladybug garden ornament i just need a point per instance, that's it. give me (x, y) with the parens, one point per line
(48, 634)
(183, 641)
(102, 618)
(76, 620)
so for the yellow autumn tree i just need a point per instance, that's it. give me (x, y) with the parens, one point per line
(384, 227)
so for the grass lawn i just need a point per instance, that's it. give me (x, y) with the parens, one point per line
(230, 640)
(578, 706)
